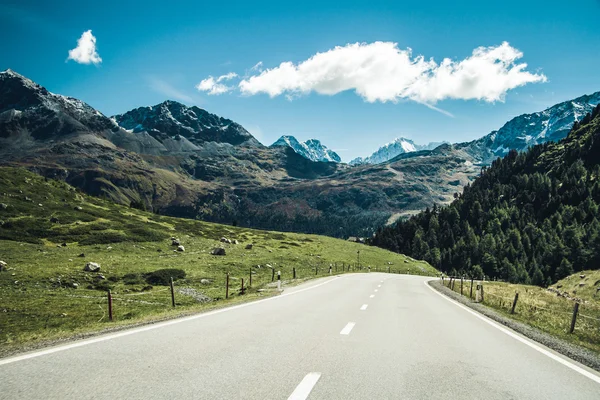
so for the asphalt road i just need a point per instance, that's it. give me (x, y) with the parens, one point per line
(364, 336)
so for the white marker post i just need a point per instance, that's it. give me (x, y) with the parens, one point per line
(279, 280)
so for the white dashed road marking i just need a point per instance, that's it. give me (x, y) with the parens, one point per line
(364, 307)
(305, 387)
(347, 328)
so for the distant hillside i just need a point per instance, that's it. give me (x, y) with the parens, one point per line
(530, 217)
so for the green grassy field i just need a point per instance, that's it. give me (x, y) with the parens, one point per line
(549, 310)
(49, 231)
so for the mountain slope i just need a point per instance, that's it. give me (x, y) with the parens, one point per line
(312, 149)
(530, 217)
(552, 124)
(171, 121)
(393, 149)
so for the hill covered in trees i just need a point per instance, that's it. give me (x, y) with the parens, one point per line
(530, 217)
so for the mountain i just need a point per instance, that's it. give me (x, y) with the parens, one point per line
(552, 124)
(312, 149)
(182, 128)
(393, 149)
(162, 159)
(531, 217)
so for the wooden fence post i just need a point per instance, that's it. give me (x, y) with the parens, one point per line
(250, 282)
(272, 274)
(512, 310)
(294, 269)
(227, 286)
(110, 308)
(242, 290)
(172, 293)
(461, 285)
(471, 292)
(574, 318)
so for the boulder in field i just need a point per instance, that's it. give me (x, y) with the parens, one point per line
(3, 206)
(175, 242)
(92, 267)
(3, 266)
(78, 208)
(180, 248)
(218, 251)
(235, 241)
(249, 246)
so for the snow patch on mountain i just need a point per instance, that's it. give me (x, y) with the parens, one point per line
(312, 149)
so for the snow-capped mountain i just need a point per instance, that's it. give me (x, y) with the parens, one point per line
(30, 113)
(193, 126)
(312, 149)
(552, 124)
(393, 149)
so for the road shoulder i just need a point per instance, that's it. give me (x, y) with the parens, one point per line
(570, 350)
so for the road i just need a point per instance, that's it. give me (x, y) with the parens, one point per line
(362, 336)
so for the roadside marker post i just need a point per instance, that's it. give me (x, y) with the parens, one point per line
(471, 292)
(279, 280)
(294, 270)
(250, 282)
(272, 274)
(330, 270)
(172, 293)
(110, 306)
(461, 285)
(242, 290)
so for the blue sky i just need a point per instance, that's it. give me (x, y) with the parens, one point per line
(156, 51)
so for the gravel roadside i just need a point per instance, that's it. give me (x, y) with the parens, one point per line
(570, 350)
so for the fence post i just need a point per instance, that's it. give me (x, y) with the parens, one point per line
(461, 285)
(172, 293)
(316, 270)
(110, 310)
(574, 318)
(227, 286)
(389, 268)
(512, 310)
(272, 274)
(294, 269)
(242, 290)
(250, 283)
(471, 292)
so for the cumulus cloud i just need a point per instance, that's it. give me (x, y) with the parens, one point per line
(380, 71)
(214, 86)
(85, 52)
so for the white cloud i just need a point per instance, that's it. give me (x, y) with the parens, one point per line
(85, 52)
(214, 86)
(380, 71)
(165, 88)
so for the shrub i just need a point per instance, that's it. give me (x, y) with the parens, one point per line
(163, 276)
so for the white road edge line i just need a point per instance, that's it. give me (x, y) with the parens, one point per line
(376, 290)
(305, 387)
(371, 296)
(151, 327)
(521, 339)
(347, 328)
(364, 307)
